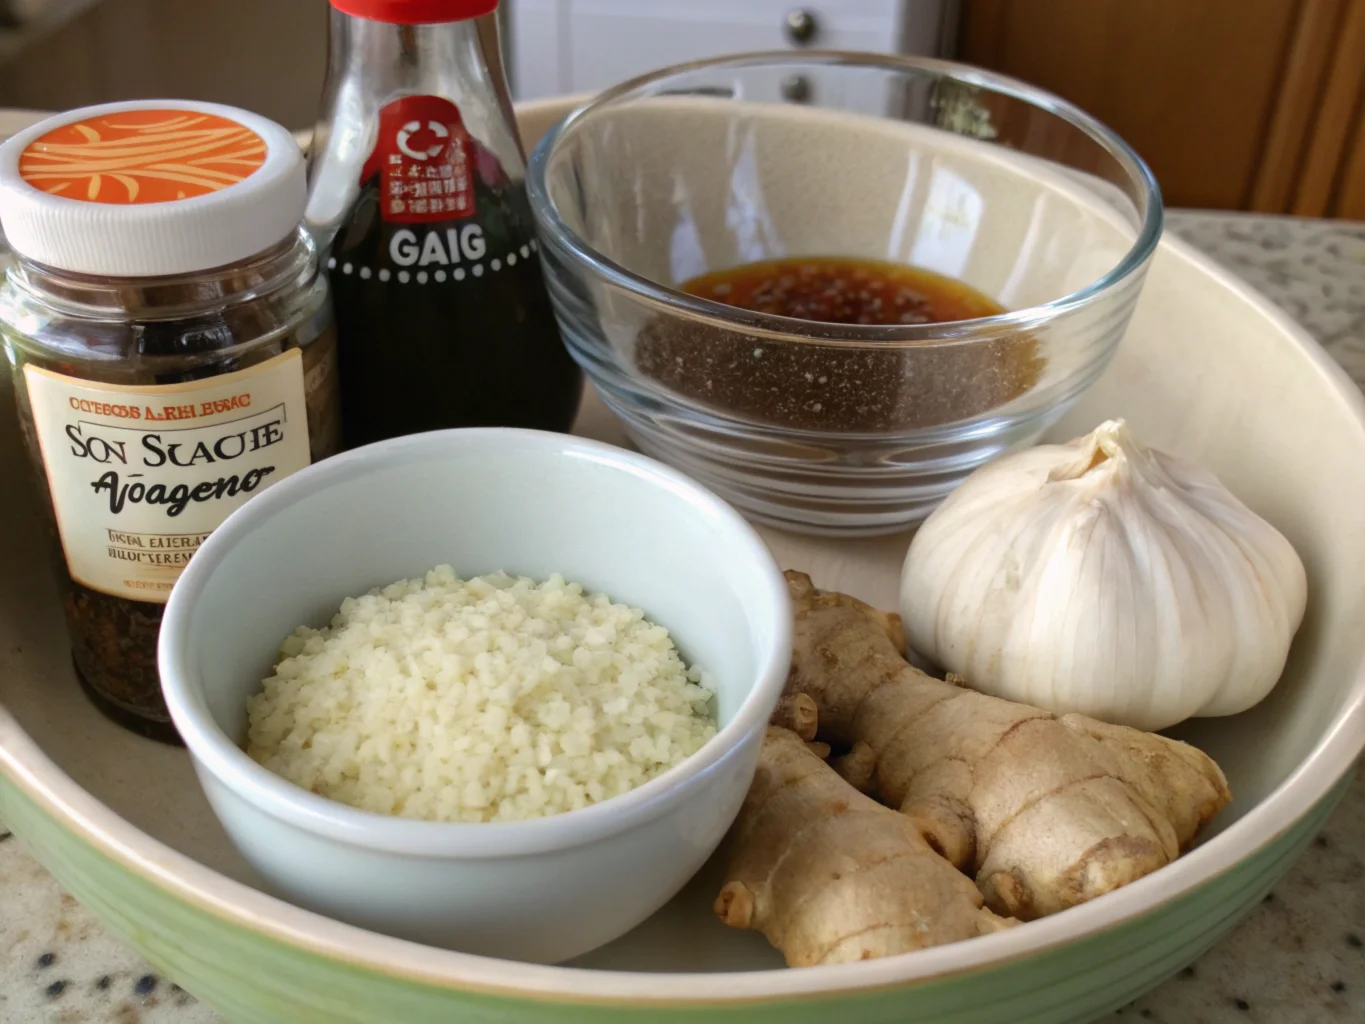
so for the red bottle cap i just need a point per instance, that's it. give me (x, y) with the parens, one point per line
(415, 12)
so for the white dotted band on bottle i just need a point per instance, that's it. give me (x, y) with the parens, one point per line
(439, 275)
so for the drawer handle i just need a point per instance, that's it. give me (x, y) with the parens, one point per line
(802, 26)
(796, 89)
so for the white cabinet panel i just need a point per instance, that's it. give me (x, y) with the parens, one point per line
(534, 47)
(561, 46)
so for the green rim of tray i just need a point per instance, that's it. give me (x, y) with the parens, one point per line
(252, 976)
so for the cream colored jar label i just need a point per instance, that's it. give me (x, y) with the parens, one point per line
(140, 475)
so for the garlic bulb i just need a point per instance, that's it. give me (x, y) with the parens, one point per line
(1106, 578)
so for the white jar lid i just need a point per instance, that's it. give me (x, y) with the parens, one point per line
(150, 187)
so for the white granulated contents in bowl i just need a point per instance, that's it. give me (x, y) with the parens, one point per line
(489, 699)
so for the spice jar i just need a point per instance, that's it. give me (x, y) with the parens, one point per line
(173, 354)
(417, 192)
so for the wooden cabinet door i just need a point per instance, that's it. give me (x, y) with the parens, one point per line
(1235, 104)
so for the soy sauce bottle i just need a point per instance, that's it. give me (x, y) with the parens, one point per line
(417, 196)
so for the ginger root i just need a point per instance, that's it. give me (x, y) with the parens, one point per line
(1044, 812)
(820, 750)
(858, 767)
(797, 712)
(829, 875)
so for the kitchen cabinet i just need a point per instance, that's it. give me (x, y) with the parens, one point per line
(264, 55)
(1235, 104)
(565, 46)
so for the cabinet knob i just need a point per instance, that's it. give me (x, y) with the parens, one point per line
(796, 89)
(801, 26)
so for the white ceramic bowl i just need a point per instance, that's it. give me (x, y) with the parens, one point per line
(481, 500)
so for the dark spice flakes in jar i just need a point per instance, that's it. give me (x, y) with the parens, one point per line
(165, 368)
(114, 639)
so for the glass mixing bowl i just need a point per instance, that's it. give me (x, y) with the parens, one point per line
(826, 428)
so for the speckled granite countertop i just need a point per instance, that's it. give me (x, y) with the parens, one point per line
(1299, 958)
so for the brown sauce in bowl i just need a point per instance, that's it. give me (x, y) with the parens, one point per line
(804, 384)
(839, 290)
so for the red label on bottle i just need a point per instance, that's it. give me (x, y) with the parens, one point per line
(425, 159)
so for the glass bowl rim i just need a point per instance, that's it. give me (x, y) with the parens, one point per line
(796, 330)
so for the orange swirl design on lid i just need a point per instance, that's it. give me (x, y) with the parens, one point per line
(142, 156)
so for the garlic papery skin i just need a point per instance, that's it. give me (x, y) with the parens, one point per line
(1105, 578)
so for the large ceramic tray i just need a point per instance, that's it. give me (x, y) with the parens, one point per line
(1208, 369)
